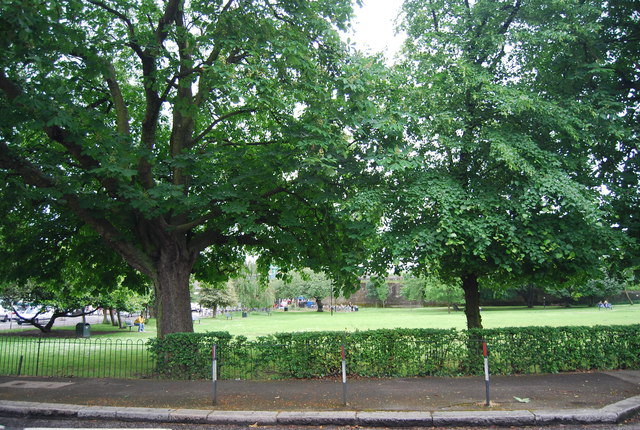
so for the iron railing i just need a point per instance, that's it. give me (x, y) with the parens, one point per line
(82, 357)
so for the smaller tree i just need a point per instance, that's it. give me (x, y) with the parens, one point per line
(252, 290)
(431, 289)
(59, 300)
(217, 295)
(378, 289)
(305, 283)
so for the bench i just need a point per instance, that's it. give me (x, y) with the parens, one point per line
(228, 316)
(195, 318)
(128, 324)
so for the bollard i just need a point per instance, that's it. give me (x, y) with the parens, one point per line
(214, 373)
(20, 364)
(485, 352)
(344, 377)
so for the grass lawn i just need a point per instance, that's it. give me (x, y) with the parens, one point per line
(260, 324)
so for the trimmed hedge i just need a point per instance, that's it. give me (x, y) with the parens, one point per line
(399, 353)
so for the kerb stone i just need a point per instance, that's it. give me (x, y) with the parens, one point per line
(483, 418)
(189, 415)
(395, 419)
(318, 418)
(575, 416)
(625, 408)
(242, 417)
(146, 414)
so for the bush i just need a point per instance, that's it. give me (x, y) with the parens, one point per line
(400, 352)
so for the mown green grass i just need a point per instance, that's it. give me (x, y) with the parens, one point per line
(260, 324)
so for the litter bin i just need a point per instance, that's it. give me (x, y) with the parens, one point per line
(244, 315)
(83, 330)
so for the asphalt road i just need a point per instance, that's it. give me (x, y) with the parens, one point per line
(22, 423)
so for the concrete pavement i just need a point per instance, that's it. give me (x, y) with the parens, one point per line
(572, 398)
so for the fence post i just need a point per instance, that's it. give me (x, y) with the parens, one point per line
(38, 356)
(344, 376)
(214, 373)
(485, 352)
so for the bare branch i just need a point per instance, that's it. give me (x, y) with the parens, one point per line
(218, 121)
(258, 143)
(122, 113)
(169, 16)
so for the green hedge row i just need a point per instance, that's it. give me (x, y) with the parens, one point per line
(399, 353)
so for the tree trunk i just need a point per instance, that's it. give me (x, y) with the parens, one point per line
(173, 298)
(112, 312)
(320, 305)
(472, 300)
(627, 294)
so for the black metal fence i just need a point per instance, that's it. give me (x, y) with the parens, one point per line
(89, 358)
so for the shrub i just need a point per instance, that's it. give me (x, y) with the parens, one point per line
(399, 352)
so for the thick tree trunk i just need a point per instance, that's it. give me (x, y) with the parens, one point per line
(472, 300)
(112, 312)
(172, 291)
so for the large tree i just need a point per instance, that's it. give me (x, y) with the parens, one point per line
(183, 132)
(496, 181)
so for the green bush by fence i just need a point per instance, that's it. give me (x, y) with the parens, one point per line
(375, 353)
(400, 352)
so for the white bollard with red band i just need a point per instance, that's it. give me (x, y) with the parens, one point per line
(214, 372)
(344, 377)
(485, 352)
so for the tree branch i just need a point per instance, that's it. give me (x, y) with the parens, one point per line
(217, 121)
(33, 176)
(122, 113)
(258, 143)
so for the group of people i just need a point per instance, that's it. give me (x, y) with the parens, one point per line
(605, 305)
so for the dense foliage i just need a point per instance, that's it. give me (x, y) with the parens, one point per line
(400, 352)
(501, 150)
(496, 182)
(185, 132)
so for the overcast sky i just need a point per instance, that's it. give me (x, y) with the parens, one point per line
(373, 26)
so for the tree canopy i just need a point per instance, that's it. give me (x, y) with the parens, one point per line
(496, 179)
(502, 148)
(183, 133)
